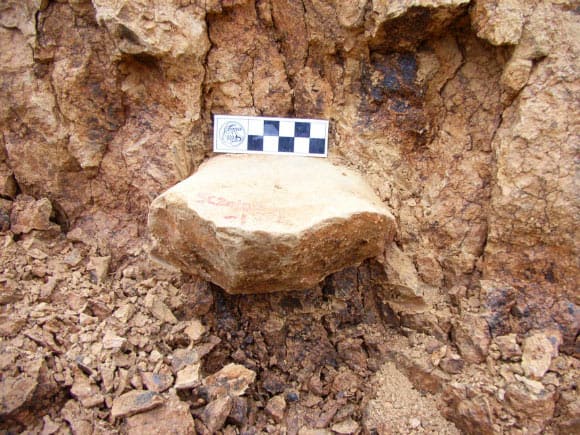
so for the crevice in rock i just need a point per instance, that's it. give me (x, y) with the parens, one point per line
(60, 217)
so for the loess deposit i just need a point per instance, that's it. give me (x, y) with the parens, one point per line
(462, 116)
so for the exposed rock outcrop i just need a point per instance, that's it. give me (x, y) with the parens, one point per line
(462, 116)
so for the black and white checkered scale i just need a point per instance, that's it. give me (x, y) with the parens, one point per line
(273, 136)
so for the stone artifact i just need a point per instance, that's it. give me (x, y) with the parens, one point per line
(256, 224)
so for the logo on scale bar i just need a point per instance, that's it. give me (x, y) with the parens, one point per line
(232, 134)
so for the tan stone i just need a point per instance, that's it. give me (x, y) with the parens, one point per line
(27, 389)
(254, 74)
(534, 205)
(276, 407)
(508, 347)
(86, 392)
(498, 21)
(157, 382)
(536, 406)
(471, 334)
(215, 413)
(255, 224)
(350, 12)
(345, 427)
(8, 186)
(11, 325)
(159, 309)
(134, 402)
(184, 357)
(308, 431)
(124, 312)
(113, 341)
(537, 355)
(182, 30)
(516, 73)
(99, 267)
(49, 427)
(100, 131)
(79, 418)
(188, 377)
(429, 270)
(403, 284)
(29, 214)
(194, 330)
(171, 418)
(233, 380)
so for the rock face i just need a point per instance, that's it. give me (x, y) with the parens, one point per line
(255, 224)
(463, 117)
(535, 149)
(101, 131)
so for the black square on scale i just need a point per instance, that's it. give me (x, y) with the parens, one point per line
(255, 143)
(271, 128)
(302, 129)
(286, 144)
(316, 146)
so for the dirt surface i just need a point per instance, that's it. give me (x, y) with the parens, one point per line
(399, 408)
(77, 339)
(462, 117)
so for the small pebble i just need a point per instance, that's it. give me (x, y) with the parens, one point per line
(292, 396)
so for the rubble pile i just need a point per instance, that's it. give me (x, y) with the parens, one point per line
(91, 350)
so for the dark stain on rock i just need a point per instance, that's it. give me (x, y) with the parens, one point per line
(146, 60)
(408, 67)
(549, 274)
(128, 35)
(391, 97)
(390, 80)
(404, 32)
(399, 106)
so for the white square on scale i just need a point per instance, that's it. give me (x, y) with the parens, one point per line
(301, 145)
(256, 127)
(270, 144)
(286, 128)
(318, 130)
